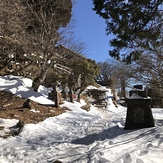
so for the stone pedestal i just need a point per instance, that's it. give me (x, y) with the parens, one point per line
(139, 114)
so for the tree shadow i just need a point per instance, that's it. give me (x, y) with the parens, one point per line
(111, 133)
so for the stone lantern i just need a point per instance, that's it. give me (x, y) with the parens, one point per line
(139, 114)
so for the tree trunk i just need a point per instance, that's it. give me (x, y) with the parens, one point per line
(161, 95)
(36, 83)
(56, 96)
(63, 91)
(71, 95)
(123, 87)
(78, 97)
(78, 94)
(39, 79)
(56, 100)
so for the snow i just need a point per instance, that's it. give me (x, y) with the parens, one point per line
(22, 88)
(136, 96)
(78, 136)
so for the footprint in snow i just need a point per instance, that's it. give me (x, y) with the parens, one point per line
(111, 142)
(157, 136)
(139, 161)
(127, 159)
(149, 145)
(142, 153)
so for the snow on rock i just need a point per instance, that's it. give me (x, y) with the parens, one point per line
(5, 125)
(22, 87)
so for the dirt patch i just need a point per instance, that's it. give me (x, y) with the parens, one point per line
(11, 106)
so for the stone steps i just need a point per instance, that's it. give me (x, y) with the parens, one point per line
(98, 96)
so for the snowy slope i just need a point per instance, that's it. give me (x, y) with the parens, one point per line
(78, 136)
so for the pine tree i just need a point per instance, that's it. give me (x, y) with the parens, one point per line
(130, 22)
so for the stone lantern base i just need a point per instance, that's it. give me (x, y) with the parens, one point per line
(139, 114)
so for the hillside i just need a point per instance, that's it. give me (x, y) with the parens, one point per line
(11, 106)
(77, 135)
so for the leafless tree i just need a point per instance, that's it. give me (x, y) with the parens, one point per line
(44, 19)
(32, 27)
(67, 38)
(11, 25)
(114, 74)
(149, 69)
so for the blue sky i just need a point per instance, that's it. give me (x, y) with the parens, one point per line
(90, 28)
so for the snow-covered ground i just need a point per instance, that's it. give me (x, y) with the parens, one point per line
(79, 136)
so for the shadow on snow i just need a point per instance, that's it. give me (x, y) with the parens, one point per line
(113, 133)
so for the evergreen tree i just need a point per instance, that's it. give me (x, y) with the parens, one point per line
(130, 22)
(84, 73)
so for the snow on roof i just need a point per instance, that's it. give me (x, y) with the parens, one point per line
(136, 96)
